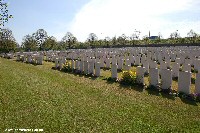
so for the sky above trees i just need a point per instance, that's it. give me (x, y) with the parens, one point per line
(103, 17)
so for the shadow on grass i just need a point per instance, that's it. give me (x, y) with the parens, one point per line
(77, 73)
(111, 80)
(122, 85)
(168, 95)
(189, 101)
(155, 92)
(135, 87)
(90, 76)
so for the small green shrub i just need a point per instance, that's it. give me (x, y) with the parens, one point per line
(193, 80)
(194, 71)
(129, 77)
(67, 67)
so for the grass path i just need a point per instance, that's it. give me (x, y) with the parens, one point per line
(40, 97)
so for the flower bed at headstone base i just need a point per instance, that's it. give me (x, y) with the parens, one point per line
(128, 78)
(67, 67)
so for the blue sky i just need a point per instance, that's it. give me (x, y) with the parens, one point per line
(50, 15)
(103, 17)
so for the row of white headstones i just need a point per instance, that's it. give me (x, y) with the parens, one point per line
(34, 58)
(146, 59)
(91, 61)
(28, 57)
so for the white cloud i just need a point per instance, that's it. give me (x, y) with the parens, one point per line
(115, 17)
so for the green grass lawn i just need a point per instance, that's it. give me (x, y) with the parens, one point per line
(38, 97)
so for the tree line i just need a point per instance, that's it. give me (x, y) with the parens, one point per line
(41, 41)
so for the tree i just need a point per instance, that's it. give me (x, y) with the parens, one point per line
(29, 43)
(192, 36)
(157, 40)
(6, 34)
(107, 41)
(146, 39)
(92, 39)
(7, 41)
(60, 46)
(174, 37)
(135, 37)
(122, 39)
(69, 40)
(114, 41)
(50, 43)
(132, 39)
(4, 16)
(40, 36)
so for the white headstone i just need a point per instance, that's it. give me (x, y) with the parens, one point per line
(120, 63)
(114, 60)
(97, 69)
(81, 66)
(163, 65)
(140, 74)
(143, 58)
(56, 63)
(173, 57)
(18, 57)
(178, 60)
(197, 65)
(186, 67)
(137, 60)
(188, 61)
(197, 83)
(29, 59)
(153, 64)
(184, 82)
(91, 67)
(132, 59)
(23, 58)
(72, 64)
(166, 79)
(60, 64)
(107, 62)
(102, 63)
(153, 76)
(85, 67)
(175, 69)
(128, 62)
(39, 60)
(33, 59)
(146, 66)
(126, 67)
(114, 71)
